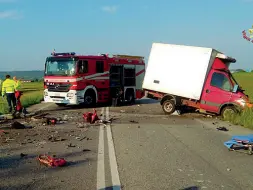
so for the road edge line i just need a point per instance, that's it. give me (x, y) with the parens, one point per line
(101, 157)
(112, 156)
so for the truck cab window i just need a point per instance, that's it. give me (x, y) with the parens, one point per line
(221, 81)
(99, 66)
(82, 66)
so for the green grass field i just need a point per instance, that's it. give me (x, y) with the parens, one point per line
(246, 81)
(32, 94)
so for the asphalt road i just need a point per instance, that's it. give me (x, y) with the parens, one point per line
(142, 149)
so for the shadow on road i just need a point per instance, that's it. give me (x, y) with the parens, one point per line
(147, 101)
(191, 188)
(70, 108)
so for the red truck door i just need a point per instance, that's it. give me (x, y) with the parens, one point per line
(217, 91)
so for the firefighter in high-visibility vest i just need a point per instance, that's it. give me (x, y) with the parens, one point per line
(8, 90)
(18, 94)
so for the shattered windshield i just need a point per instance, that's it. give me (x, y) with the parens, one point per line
(60, 67)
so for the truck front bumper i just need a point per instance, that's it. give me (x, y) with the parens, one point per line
(61, 97)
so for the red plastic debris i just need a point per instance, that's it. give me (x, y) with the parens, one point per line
(91, 117)
(51, 121)
(52, 162)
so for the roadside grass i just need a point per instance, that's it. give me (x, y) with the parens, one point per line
(31, 98)
(246, 81)
(32, 94)
(244, 118)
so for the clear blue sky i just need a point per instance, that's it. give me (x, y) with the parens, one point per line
(31, 29)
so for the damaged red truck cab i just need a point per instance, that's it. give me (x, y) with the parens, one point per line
(193, 77)
(221, 91)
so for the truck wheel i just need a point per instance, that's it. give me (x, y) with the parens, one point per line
(130, 96)
(61, 105)
(89, 98)
(169, 106)
(228, 110)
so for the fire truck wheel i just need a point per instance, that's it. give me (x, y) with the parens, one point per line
(169, 106)
(130, 96)
(89, 98)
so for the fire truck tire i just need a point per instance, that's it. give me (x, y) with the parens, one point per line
(130, 96)
(90, 98)
(169, 107)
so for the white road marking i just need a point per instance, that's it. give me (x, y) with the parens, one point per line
(112, 156)
(101, 158)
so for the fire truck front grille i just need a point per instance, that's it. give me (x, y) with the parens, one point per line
(59, 97)
(59, 87)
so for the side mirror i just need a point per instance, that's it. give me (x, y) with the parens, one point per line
(235, 88)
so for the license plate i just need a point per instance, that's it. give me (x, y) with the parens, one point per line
(56, 100)
(57, 94)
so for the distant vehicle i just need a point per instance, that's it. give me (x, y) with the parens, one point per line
(197, 77)
(72, 79)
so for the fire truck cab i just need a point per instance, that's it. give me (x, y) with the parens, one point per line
(71, 79)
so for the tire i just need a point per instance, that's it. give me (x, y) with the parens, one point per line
(130, 96)
(169, 107)
(228, 109)
(90, 98)
(61, 105)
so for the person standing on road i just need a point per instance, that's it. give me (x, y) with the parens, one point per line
(17, 94)
(8, 90)
(17, 82)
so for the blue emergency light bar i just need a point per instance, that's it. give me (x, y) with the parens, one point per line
(63, 54)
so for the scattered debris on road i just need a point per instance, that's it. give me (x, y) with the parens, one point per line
(133, 121)
(17, 125)
(55, 139)
(23, 155)
(71, 145)
(91, 117)
(51, 162)
(51, 121)
(3, 132)
(86, 150)
(222, 128)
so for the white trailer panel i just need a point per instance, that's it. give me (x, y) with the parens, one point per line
(178, 70)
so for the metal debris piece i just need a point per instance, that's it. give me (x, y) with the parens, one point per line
(222, 128)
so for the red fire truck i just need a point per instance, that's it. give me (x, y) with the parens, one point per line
(72, 79)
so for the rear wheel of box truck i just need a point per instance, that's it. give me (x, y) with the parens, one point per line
(169, 106)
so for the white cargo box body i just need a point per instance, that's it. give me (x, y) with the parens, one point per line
(178, 70)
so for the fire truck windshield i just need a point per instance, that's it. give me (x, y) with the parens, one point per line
(60, 67)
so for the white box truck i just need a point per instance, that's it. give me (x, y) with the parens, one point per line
(195, 77)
